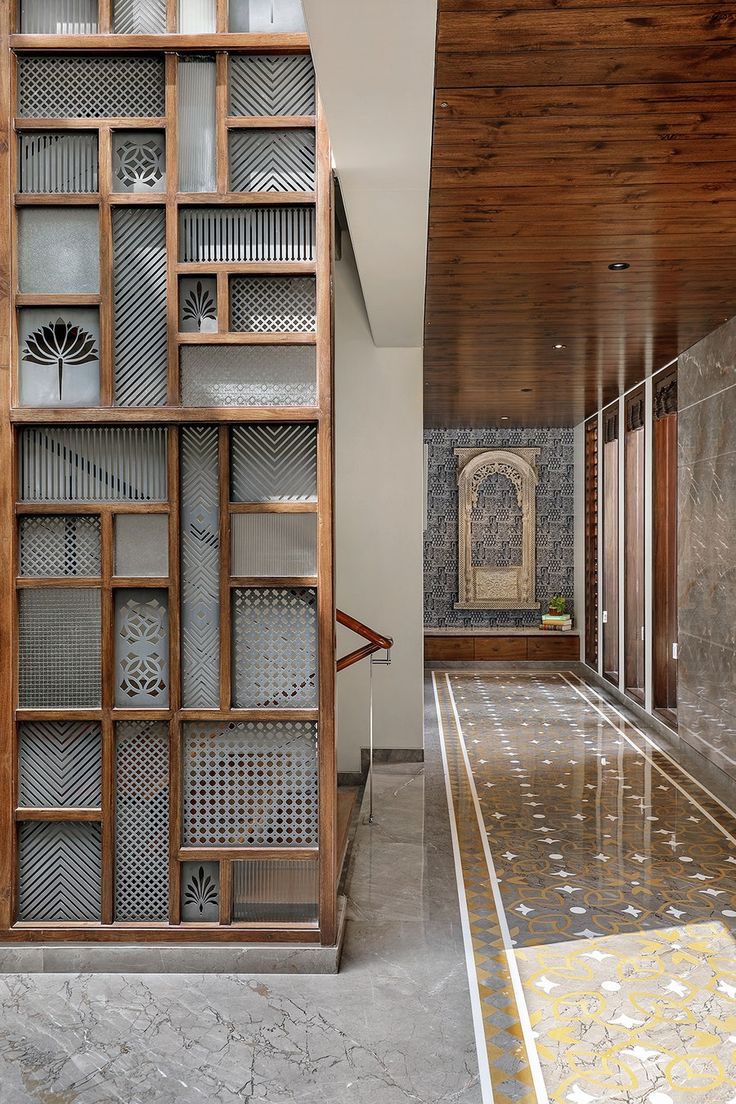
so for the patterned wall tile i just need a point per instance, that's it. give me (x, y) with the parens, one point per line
(555, 522)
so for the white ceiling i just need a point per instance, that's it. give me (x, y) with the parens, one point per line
(375, 68)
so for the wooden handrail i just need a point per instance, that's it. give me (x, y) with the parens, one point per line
(376, 642)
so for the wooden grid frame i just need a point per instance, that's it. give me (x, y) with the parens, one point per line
(173, 416)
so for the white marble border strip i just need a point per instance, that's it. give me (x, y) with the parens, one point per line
(481, 1044)
(524, 1020)
(619, 729)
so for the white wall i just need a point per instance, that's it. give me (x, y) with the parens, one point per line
(378, 517)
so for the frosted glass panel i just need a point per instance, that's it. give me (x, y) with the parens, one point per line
(59, 250)
(275, 891)
(197, 141)
(142, 545)
(197, 17)
(231, 375)
(142, 648)
(139, 16)
(274, 544)
(59, 356)
(58, 16)
(267, 16)
(139, 161)
(59, 649)
(198, 304)
(55, 161)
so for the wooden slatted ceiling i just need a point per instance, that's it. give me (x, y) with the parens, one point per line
(570, 134)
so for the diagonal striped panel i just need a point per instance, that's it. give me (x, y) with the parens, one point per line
(60, 765)
(200, 567)
(274, 463)
(60, 871)
(142, 813)
(272, 84)
(139, 257)
(272, 160)
(139, 16)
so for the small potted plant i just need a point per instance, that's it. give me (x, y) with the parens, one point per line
(558, 605)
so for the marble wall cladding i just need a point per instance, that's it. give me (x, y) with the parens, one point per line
(707, 540)
(555, 522)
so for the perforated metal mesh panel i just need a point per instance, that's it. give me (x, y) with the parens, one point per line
(142, 648)
(141, 821)
(60, 764)
(59, 86)
(59, 648)
(264, 160)
(197, 124)
(141, 335)
(274, 648)
(200, 559)
(142, 545)
(60, 871)
(58, 17)
(258, 375)
(273, 544)
(273, 304)
(272, 84)
(68, 545)
(86, 464)
(247, 234)
(57, 161)
(250, 785)
(139, 16)
(274, 462)
(276, 891)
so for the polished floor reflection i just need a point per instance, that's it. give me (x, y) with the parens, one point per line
(599, 880)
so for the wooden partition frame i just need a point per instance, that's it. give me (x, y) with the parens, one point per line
(173, 416)
(634, 605)
(664, 546)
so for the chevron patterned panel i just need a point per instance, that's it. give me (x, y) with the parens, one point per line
(59, 661)
(200, 568)
(62, 545)
(250, 784)
(274, 648)
(273, 304)
(60, 765)
(139, 258)
(81, 86)
(274, 462)
(139, 16)
(142, 813)
(264, 160)
(60, 871)
(272, 84)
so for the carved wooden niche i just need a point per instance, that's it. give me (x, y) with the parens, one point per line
(486, 581)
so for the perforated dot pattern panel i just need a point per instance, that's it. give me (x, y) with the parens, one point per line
(250, 785)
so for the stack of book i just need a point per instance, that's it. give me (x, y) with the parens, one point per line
(557, 622)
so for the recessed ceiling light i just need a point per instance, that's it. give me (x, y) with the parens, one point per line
(619, 266)
(504, 417)
(559, 346)
(525, 390)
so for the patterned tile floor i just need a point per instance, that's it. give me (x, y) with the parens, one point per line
(600, 886)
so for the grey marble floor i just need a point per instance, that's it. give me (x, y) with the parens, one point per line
(394, 1026)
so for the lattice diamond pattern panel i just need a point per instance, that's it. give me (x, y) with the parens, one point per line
(250, 784)
(60, 765)
(273, 304)
(259, 375)
(274, 462)
(65, 546)
(60, 871)
(141, 336)
(200, 559)
(59, 648)
(92, 464)
(275, 648)
(142, 648)
(142, 816)
(139, 16)
(52, 162)
(57, 86)
(247, 234)
(263, 160)
(272, 84)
